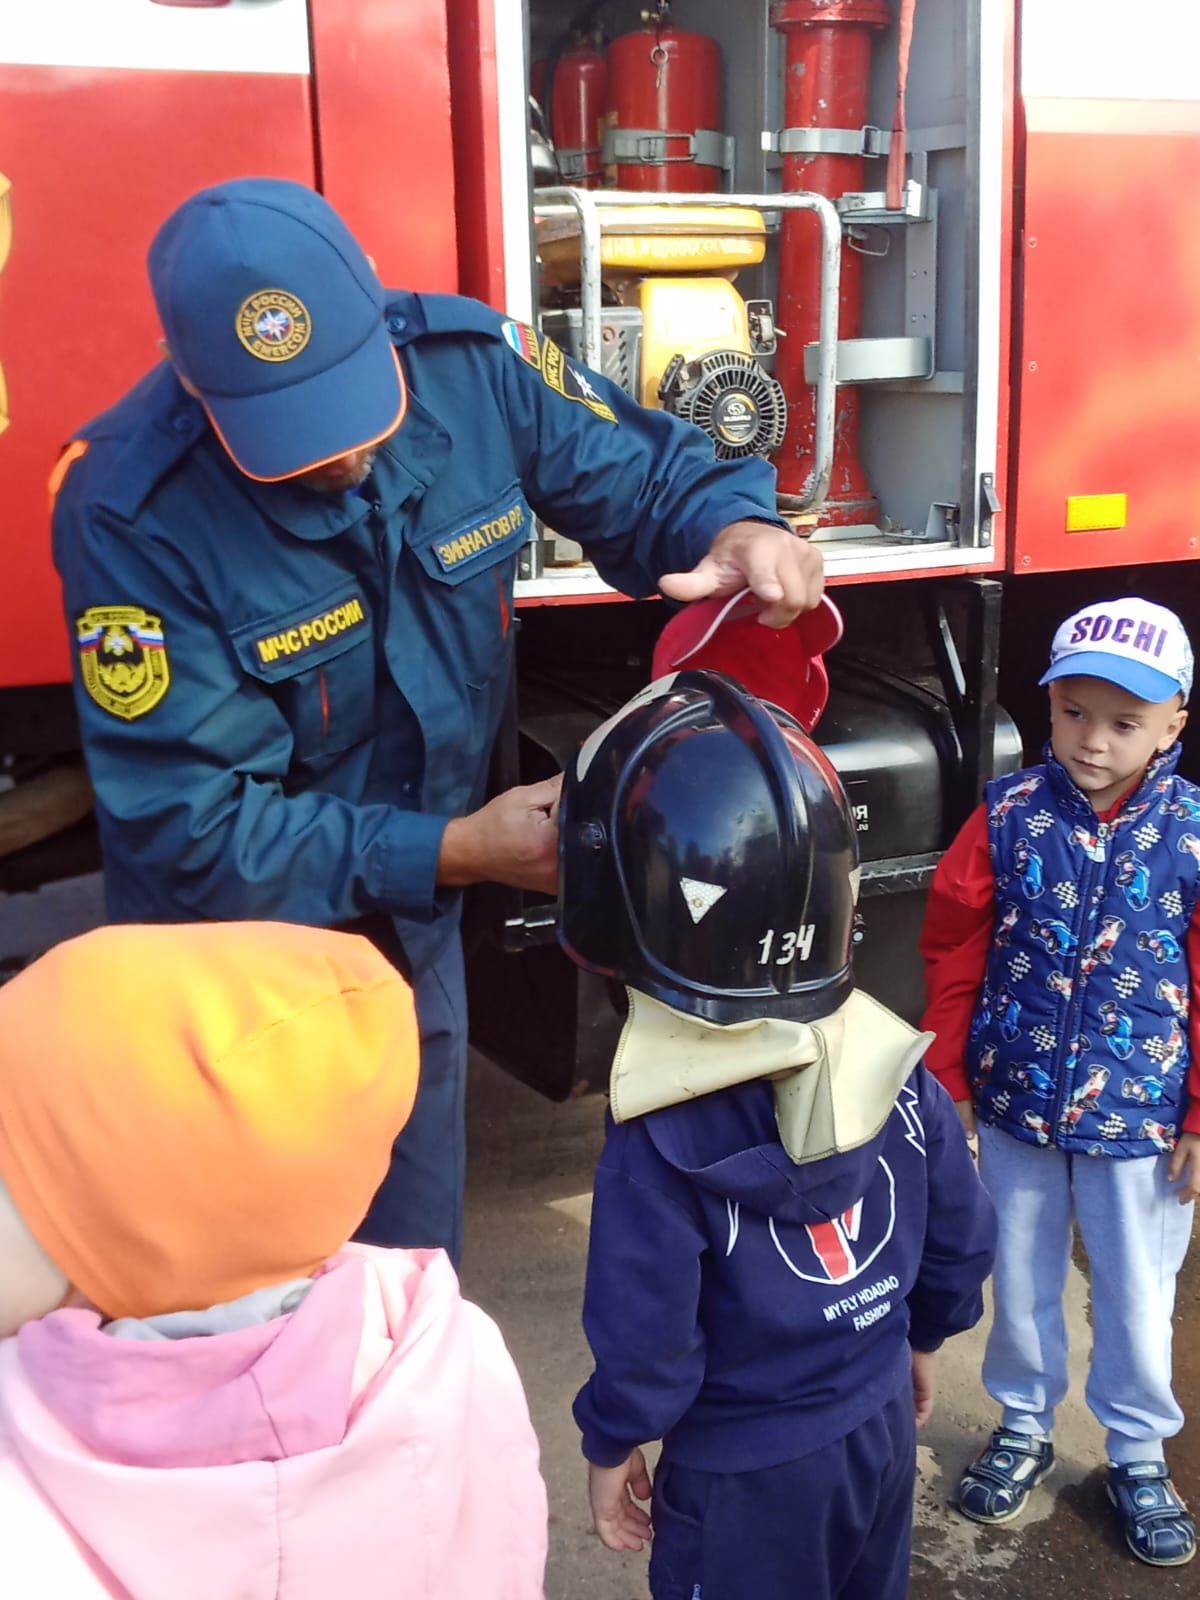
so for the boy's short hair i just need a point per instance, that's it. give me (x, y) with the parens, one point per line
(1141, 647)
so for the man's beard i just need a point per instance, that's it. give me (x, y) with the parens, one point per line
(339, 485)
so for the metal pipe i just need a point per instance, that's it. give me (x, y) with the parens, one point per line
(827, 73)
(587, 204)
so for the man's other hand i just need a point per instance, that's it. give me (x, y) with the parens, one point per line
(786, 574)
(513, 839)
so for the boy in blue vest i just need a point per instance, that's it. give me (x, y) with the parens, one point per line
(1061, 943)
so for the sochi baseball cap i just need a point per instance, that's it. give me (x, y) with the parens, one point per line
(275, 317)
(782, 665)
(1133, 643)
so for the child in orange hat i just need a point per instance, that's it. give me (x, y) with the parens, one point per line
(205, 1392)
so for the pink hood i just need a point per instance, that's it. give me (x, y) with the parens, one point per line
(373, 1442)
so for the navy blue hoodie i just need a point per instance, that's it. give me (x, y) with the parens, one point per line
(747, 1310)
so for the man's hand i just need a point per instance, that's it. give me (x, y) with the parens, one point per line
(786, 573)
(513, 839)
(621, 1524)
(924, 1371)
(1185, 1165)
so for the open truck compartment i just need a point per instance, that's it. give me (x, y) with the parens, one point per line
(738, 283)
(712, 229)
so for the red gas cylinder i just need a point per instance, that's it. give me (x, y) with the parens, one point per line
(827, 76)
(577, 113)
(662, 128)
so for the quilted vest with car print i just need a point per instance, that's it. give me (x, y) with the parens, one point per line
(1080, 1037)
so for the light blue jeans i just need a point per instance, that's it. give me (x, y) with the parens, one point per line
(1136, 1235)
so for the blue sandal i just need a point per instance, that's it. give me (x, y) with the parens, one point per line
(1154, 1520)
(997, 1484)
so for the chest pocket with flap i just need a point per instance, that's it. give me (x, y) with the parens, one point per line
(472, 561)
(318, 665)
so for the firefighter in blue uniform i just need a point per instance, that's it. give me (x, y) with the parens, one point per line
(287, 559)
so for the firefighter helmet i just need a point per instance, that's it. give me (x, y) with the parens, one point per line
(708, 856)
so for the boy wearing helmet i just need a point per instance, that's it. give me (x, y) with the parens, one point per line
(786, 1224)
(1113, 823)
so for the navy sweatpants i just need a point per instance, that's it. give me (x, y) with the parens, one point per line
(420, 1202)
(833, 1525)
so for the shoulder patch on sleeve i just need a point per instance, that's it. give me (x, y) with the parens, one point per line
(122, 659)
(523, 339)
(455, 314)
(571, 382)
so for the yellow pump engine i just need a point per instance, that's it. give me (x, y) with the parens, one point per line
(676, 331)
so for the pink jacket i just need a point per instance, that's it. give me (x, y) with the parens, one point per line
(373, 1442)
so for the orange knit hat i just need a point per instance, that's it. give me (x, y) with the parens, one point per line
(189, 1113)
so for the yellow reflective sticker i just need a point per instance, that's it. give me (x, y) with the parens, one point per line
(1089, 513)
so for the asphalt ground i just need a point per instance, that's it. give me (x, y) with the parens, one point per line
(528, 1196)
(530, 1168)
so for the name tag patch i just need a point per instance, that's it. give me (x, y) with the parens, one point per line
(304, 636)
(511, 526)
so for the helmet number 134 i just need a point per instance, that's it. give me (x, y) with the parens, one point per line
(792, 946)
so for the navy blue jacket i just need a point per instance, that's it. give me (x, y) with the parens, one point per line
(746, 1310)
(1080, 1034)
(283, 696)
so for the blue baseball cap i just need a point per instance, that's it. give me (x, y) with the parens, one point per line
(275, 317)
(1141, 647)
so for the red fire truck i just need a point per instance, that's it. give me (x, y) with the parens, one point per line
(938, 259)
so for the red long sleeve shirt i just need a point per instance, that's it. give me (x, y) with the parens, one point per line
(954, 944)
